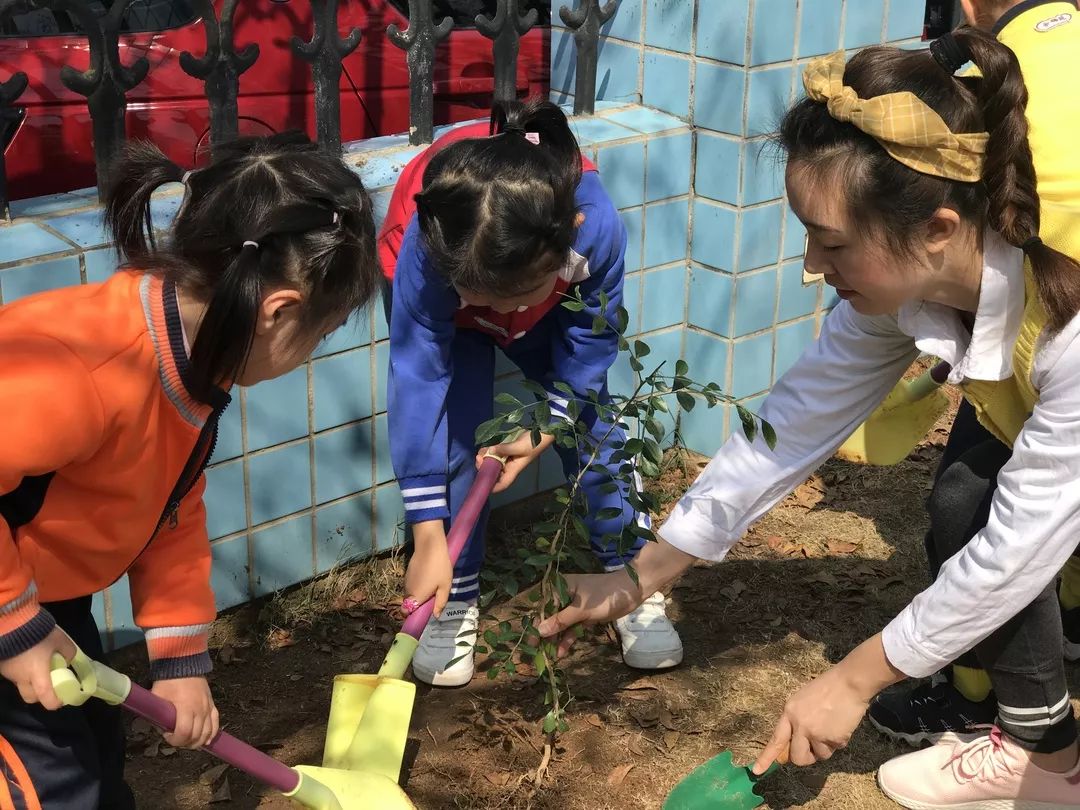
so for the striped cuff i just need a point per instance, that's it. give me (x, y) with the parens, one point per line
(465, 588)
(178, 652)
(23, 623)
(558, 404)
(425, 498)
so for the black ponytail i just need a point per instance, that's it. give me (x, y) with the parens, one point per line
(135, 177)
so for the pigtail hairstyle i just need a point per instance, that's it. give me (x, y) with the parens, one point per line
(498, 214)
(266, 213)
(1009, 174)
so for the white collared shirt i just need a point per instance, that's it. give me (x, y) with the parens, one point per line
(842, 377)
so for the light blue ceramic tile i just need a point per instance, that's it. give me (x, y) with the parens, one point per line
(344, 531)
(754, 403)
(668, 172)
(230, 439)
(27, 279)
(906, 19)
(384, 466)
(665, 232)
(770, 96)
(751, 365)
(342, 388)
(665, 292)
(49, 204)
(863, 22)
(714, 235)
(621, 379)
(100, 264)
(282, 555)
(820, 30)
(389, 518)
(755, 302)
(122, 628)
(164, 206)
(599, 130)
(374, 144)
(774, 32)
(280, 482)
(719, 94)
(86, 228)
(378, 315)
(763, 173)
(224, 499)
(633, 220)
(829, 298)
(759, 241)
(356, 332)
(382, 369)
(563, 64)
(717, 174)
(646, 120)
(382, 169)
(711, 295)
(707, 356)
(791, 341)
(622, 169)
(704, 429)
(796, 299)
(632, 302)
(97, 610)
(626, 24)
(794, 235)
(617, 72)
(722, 31)
(277, 410)
(343, 462)
(669, 25)
(27, 241)
(229, 576)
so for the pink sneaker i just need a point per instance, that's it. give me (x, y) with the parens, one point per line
(989, 772)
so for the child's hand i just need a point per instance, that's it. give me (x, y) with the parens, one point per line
(197, 721)
(430, 572)
(30, 671)
(519, 454)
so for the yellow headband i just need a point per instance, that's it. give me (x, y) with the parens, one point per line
(902, 123)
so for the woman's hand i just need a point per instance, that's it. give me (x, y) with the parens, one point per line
(519, 454)
(197, 721)
(31, 671)
(430, 572)
(820, 718)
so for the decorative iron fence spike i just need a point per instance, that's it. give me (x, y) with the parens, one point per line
(505, 30)
(585, 21)
(418, 42)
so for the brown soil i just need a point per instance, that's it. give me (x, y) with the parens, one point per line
(821, 572)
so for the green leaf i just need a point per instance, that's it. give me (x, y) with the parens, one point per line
(648, 469)
(623, 345)
(622, 320)
(636, 364)
(655, 427)
(609, 513)
(599, 324)
(540, 662)
(535, 437)
(508, 399)
(749, 424)
(653, 452)
(634, 446)
(604, 300)
(659, 403)
(632, 573)
(488, 431)
(563, 388)
(492, 674)
(681, 368)
(574, 306)
(641, 348)
(686, 401)
(768, 434)
(539, 560)
(551, 722)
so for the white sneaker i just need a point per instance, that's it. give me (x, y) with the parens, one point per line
(649, 641)
(445, 638)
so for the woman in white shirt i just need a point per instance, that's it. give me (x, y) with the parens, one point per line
(933, 245)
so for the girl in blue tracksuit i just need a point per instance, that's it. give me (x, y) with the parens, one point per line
(487, 231)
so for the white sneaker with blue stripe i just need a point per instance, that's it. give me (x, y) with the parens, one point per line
(450, 636)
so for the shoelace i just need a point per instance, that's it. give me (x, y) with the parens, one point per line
(650, 610)
(455, 627)
(981, 759)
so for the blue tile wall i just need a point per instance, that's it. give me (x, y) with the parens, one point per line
(384, 466)
(759, 238)
(708, 357)
(121, 617)
(355, 333)
(230, 438)
(711, 297)
(763, 173)
(280, 482)
(230, 577)
(343, 461)
(667, 83)
(626, 24)
(634, 221)
(863, 22)
(668, 167)
(714, 235)
(755, 301)
(563, 64)
(768, 98)
(85, 228)
(598, 130)
(721, 31)
(382, 371)
(669, 25)
(100, 264)
(389, 518)
(617, 72)
(665, 232)
(52, 203)
(905, 19)
(751, 365)
(281, 555)
(27, 240)
(791, 341)
(796, 299)
(225, 502)
(664, 297)
(277, 410)
(774, 31)
(717, 173)
(794, 235)
(705, 429)
(820, 30)
(645, 120)
(622, 169)
(719, 93)
(342, 388)
(26, 279)
(632, 302)
(343, 531)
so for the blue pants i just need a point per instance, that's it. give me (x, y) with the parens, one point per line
(470, 403)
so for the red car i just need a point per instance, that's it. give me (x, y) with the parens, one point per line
(50, 149)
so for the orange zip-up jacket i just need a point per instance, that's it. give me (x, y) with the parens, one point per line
(101, 466)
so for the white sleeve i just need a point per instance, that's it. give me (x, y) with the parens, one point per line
(1034, 527)
(830, 391)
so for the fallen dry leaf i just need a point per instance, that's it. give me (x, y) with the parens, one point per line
(824, 577)
(211, 775)
(840, 547)
(222, 794)
(666, 720)
(594, 720)
(671, 739)
(733, 590)
(619, 773)
(635, 747)
(647, 718)
(498, 778)
(226, 654)
(167, 750)
(640, 683)
(153, 749)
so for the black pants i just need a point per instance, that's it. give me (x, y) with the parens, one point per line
(74, 757)
(1023, 657)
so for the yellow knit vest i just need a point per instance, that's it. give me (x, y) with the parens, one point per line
(1004, 405)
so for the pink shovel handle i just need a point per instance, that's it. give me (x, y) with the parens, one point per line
(159, 712)
(459, 533)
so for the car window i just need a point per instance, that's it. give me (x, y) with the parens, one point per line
(464, 12)
(140, 16)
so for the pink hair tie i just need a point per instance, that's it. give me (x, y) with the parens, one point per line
(409, 605)
(533, 138)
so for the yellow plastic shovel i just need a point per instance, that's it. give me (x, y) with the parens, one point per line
(901, 421)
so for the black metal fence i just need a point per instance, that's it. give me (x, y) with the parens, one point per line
(107, 81)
